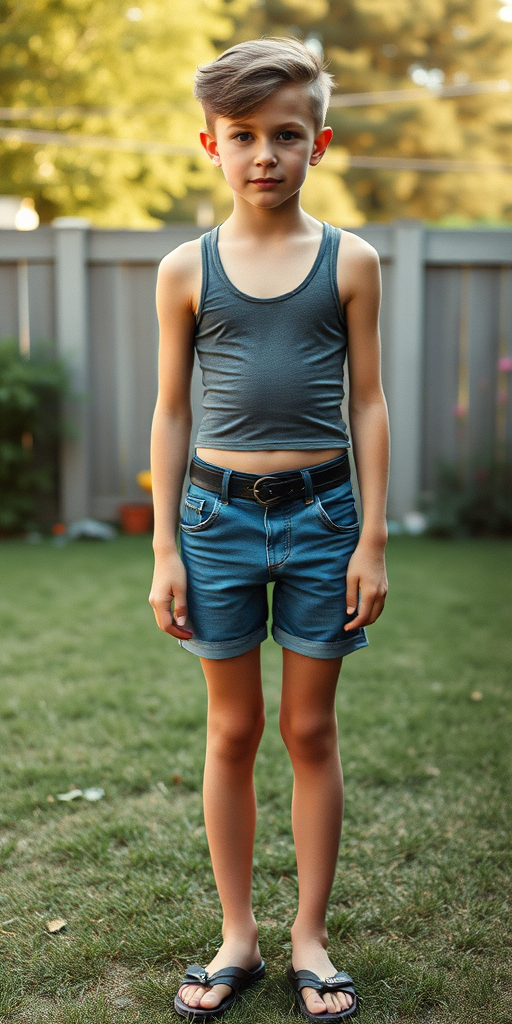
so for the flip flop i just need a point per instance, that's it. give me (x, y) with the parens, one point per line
(235, 977)
(341, 982)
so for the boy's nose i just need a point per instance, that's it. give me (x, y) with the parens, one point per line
(266, 157)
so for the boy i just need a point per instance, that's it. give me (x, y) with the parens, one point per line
(271, 301)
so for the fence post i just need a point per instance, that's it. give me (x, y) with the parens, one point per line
(404, 389)
(71, 310)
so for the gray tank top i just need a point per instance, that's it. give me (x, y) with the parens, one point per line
(272, 368)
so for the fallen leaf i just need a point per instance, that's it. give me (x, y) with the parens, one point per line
(2, 932)
(177, 779)
(50, 799)
(162, 787)
(432, 770)
(94, 793)
(476, 695)
(56, 925)
(72, 795)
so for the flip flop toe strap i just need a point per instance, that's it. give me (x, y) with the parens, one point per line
(232, 976)
(340, 982)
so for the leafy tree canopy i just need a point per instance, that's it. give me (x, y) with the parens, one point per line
(107, 70)
(377, 45)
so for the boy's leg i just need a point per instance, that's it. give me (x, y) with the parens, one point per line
(235, 725)
(309, 729)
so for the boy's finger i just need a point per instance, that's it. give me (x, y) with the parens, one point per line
(378, 606)
(362, 618)
(352, 594)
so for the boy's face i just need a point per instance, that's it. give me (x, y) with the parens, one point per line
(265, 156)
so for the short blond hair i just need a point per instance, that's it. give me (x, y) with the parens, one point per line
(246, 75)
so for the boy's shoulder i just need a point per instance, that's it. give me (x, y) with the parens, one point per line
(182, 260)
(359, 248)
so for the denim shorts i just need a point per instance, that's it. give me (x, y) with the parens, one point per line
(232, 548)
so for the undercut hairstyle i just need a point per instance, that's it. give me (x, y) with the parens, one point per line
(245, 76)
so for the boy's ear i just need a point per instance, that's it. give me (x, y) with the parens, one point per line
(209, 144)
(321, 142)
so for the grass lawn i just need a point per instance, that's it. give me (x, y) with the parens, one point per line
(93, 694)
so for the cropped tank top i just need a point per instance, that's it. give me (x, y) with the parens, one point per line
(272, 368)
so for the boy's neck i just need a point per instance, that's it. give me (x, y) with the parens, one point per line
(287, 219)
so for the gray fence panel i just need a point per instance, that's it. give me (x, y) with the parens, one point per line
(483, 318)
(8, 300)
(105, 476)
(441, 425)
(41, 290)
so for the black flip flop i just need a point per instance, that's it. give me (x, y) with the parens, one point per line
(235, 977)
(341, 982)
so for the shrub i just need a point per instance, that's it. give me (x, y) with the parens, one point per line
(478, 506)
(30, 389)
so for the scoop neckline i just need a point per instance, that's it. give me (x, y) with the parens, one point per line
(271, 298)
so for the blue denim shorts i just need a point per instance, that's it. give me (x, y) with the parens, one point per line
(233, 548)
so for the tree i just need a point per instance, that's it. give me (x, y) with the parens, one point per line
(374, 45)
(107, 71)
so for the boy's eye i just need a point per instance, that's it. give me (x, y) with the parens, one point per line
(243, 136)
(288, 135)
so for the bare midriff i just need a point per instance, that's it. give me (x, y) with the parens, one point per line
(268, 461)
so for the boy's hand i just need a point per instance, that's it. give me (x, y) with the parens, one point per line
(366, 575)
(170, 586)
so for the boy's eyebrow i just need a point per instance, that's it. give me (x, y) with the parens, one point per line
(247, 125)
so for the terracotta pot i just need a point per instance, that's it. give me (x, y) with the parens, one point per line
(136, 517)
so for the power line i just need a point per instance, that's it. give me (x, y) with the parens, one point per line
(363, 99)
(424, 164)
(35, 136)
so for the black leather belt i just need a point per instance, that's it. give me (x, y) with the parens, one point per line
(272, 488)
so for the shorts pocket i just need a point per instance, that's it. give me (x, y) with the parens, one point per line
(337, 510)
(200, 512)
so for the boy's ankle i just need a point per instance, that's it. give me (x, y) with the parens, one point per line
(304, 933)
(242, 933)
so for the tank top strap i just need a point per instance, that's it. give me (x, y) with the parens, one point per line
(333, 240)
(207, 267)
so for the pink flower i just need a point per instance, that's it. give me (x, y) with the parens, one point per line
(505, 364)
(459, 410)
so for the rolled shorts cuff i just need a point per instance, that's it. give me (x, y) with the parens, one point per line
(320, 648)
(225, 648)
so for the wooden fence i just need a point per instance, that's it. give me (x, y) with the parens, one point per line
(446, 325)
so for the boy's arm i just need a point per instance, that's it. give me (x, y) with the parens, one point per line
(369, 426)
(170, 434)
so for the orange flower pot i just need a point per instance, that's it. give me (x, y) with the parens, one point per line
(136, 517)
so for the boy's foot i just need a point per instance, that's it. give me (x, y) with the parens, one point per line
(231, 954)
(311, 956)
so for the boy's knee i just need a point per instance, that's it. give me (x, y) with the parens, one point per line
(309, 737)
(236, 739)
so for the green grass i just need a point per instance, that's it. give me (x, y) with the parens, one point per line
(93, 694)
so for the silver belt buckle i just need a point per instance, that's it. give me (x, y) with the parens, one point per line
(266, 502)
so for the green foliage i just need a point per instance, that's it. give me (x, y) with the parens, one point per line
(480, 506)
(373, 45)
(29, 422)
(113, 70)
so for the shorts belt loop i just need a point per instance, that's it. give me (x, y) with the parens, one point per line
(308, 486)
(224, 494)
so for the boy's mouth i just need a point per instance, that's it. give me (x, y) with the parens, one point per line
(266, 182)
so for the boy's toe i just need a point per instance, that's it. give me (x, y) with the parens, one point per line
(213, 996)
(314, 1002)
(191, 994)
